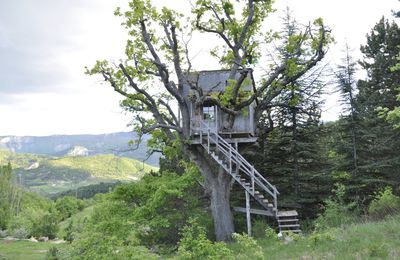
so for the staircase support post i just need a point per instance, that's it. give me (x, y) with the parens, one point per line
(252, 180)
(248, 217)
(208, 140)
(230, 160)
(275, 201)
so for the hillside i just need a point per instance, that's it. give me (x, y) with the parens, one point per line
(61, 145)
(50, 174)
(369, 240)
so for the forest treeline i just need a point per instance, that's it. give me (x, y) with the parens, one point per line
(306, 158)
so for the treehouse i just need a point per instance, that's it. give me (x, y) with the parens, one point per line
(206, 115)
(209, 128)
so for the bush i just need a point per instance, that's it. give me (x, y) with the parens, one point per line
(45, 225)
(247, 247)
(270, 234)
(3, 233)
(69, 236)
(336, 211)
(384, 203)
(99, 246)
(20, 233)
(68, 205)
(317, 238)
(52, 253)
(259, 227)
(195, 245)
(162, 205)
(36, 222)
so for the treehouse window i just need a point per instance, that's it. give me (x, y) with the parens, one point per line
(209, 113)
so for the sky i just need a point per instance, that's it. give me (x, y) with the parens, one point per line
(45, 45)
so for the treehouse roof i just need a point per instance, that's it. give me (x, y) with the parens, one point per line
(215, 81)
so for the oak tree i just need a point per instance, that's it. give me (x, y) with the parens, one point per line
(157, 66)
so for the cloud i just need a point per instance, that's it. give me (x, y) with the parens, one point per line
(33, 34)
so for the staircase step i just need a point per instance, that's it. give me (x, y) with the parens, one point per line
(289, 226)
(265, 201)
(289, 213)
(260, 196)
(288, 220)
(270, 205)
(293, 231)
(256, 192)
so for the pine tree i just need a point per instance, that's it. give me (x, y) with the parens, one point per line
(377, 140)
(346, 81)
(291, 154)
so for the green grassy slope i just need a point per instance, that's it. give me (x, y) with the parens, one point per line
(370, 240)
(24, 250)
(49, 174)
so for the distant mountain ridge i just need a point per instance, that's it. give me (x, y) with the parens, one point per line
(61, 145)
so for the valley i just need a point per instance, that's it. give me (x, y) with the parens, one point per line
(48, 175)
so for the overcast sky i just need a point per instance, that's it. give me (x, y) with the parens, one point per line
(45, 45)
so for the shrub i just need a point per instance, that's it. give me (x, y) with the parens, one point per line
(259, 227)
(99, 246)
(384, 203)
(20, 233)
(162, 205)
(317, 238)
(336, 211)
(378, 251)
(52, 253)
(3, 233)
(195, 245)
(46, 225)
(69, 236)
(247, 247)
(270, 234)
(68, 205)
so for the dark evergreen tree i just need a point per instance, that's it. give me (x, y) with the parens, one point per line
(346, 81)
(377, 140)
(291, 153)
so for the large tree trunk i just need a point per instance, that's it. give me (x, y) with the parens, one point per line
(218, 186)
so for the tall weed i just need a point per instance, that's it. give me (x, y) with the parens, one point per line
(384, 203)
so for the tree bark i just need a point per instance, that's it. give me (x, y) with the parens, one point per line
(218, 187)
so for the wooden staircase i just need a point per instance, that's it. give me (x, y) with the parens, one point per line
(288, 221)
(249, 179)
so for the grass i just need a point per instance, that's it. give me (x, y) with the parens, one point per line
(77, 219)
(369, 240)
(23, 250)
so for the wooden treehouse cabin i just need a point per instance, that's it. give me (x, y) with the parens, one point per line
(208, 129)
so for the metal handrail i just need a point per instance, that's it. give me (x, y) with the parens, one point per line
(231, 153)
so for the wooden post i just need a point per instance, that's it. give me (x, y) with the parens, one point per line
(252, 180)
(248, 213)
(191, 120)
(216, 120)
(275, 201)
(230, 159)
(208, 140)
